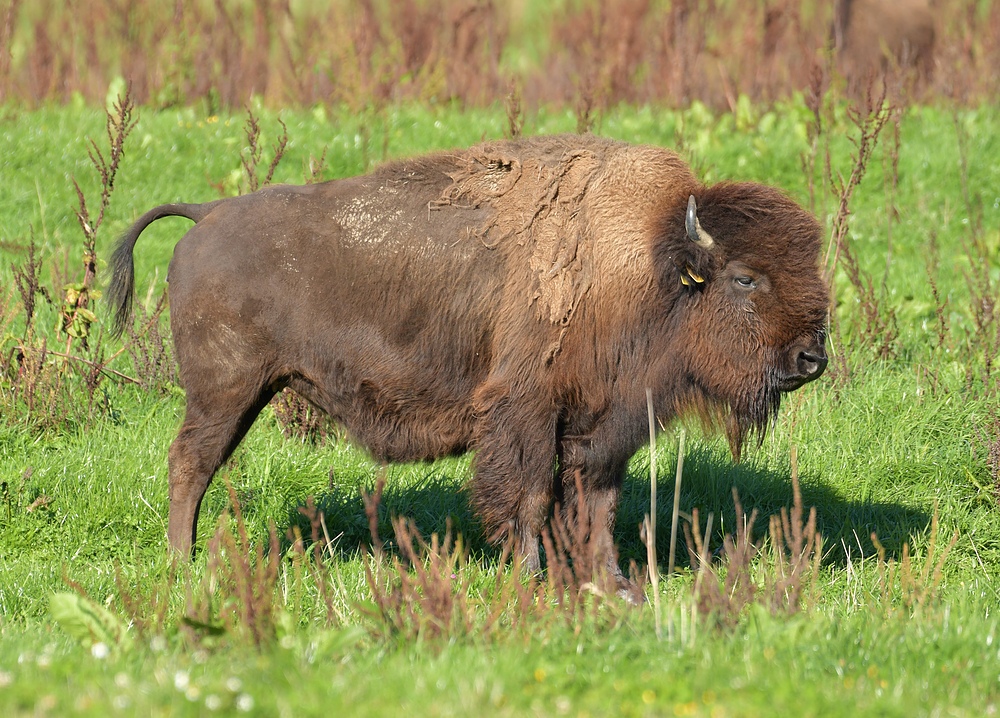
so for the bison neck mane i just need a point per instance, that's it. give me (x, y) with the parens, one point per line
(573, 218)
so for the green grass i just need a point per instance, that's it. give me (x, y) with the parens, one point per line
(823, 665)
(881, 448)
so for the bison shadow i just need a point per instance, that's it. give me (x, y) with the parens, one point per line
(708, 484)
(438, 502)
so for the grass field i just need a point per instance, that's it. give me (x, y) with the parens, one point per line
(901, 439)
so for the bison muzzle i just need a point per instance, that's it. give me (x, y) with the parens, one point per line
(515, 299)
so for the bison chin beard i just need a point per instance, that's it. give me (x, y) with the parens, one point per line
(751, 415)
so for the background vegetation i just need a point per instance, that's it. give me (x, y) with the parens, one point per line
(312, 593)
(586, 53)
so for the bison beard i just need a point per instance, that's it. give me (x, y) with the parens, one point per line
(516, 299)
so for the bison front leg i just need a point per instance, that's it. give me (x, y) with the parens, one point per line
(512, 490)
(590, 485)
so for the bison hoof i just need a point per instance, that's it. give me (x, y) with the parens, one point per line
(632, 594)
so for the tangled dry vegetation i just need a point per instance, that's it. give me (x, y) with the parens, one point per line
(590, 54)
(429, 590)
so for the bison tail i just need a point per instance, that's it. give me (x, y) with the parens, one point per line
(122, 286)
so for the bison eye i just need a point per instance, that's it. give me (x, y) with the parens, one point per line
(746, 282)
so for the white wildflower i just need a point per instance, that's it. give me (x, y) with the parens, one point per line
(244, 702)
(181, 680)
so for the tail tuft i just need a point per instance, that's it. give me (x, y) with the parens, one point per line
(122, 286)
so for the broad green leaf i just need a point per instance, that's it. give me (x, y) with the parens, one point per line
(88, 622)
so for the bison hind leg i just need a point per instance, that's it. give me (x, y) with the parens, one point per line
(215, 422)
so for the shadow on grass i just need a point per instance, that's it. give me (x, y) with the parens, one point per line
(439, 497)
(432, 501)
(708, 484)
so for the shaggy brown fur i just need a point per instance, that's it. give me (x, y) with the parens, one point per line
(516, 299)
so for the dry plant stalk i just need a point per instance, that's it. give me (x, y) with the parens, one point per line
(422, 591)
(238, 595)
(298, 419)
(313, 563)
(119, 123)
(940, 304)
(817, 102)
(988, 438)
(368, 53)
(982, 345)
(870, 117)
(28, 280)
(675, 518)
(150, 349)
(251, 158)
(514, 111)
(648, 533)
(416, 593)
(371, 502)
(147, 608)
(577, 563)
(917, 583)
(427, 596)
(776, 578)
(799, 568)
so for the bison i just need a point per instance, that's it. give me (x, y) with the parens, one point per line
(876, 37)
(516, 299)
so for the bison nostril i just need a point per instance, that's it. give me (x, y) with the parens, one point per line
(811, 365)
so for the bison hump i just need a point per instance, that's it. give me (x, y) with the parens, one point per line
(537, 189)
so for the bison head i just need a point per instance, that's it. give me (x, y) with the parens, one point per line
(740, 264)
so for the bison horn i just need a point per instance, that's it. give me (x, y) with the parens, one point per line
(694, 230)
